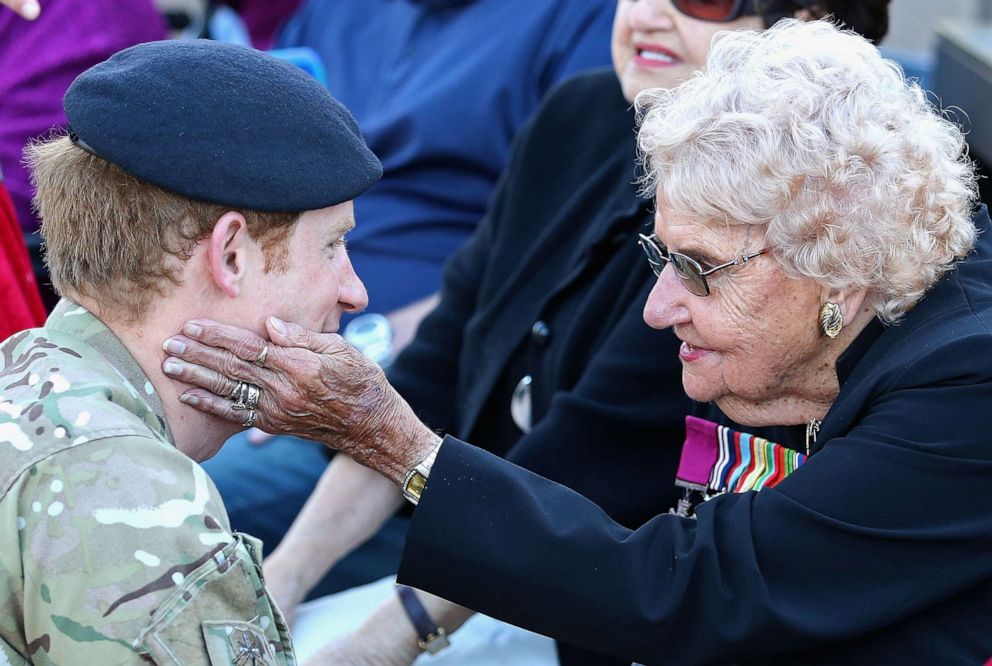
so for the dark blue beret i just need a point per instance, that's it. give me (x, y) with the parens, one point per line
(221, 123)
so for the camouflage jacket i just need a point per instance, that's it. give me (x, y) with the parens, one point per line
(115, 547)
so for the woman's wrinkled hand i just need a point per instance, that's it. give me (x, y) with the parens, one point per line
(28, 9)
(315, 386)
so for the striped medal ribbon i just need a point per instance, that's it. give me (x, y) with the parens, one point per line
(717, 459)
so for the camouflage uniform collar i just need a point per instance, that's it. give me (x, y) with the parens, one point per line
(74, 320)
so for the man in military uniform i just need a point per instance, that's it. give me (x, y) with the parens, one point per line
(198, 179)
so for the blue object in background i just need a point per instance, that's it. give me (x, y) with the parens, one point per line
(439, 89)
(918, 65)
(305, 58)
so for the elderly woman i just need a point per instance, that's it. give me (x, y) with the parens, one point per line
(817, 252)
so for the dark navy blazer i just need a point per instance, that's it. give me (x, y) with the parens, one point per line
(877, 550)
(552, 285)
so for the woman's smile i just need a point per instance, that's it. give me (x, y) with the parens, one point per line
(690, 353)
(654, 55)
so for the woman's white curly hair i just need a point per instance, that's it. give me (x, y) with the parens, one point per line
(807, 129)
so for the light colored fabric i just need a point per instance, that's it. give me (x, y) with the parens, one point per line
(482, 641)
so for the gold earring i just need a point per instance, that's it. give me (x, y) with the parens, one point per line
(831, 320)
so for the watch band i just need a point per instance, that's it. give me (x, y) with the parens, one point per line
(416, 479)
(430, 637)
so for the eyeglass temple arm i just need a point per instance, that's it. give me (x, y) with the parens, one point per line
(737, 261)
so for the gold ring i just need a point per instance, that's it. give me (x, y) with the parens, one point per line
(260, 361)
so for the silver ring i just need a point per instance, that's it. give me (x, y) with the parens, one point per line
(254, 393)
(245, 396)
(250, 418)
(238, 394)
(260, 361)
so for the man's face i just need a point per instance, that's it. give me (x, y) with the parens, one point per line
(318, 283)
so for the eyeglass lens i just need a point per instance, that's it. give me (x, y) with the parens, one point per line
(655, 259)
(710, 10)
(686, 268)
(690, 273)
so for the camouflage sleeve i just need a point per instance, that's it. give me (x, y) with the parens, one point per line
(127, 557)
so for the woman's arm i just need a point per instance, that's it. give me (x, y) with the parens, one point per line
(348, 506)
(873, 531)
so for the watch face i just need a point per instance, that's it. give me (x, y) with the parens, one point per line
(435, 642)
(415, 486)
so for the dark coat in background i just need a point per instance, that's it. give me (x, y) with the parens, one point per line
(552, 285)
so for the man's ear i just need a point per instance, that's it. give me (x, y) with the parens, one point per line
(227, 252)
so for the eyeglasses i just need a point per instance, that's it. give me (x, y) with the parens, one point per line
(690, 272)
(719, 11)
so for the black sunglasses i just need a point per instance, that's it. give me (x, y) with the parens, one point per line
(719, 11)
(690, 271)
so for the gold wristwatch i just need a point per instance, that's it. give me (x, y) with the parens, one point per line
(416, 479)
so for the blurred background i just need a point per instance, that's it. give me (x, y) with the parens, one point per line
(948, 46)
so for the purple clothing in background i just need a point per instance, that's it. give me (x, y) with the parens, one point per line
(38, 61)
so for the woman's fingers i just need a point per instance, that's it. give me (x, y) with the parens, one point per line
(251, 348)
(219, 370)
(244, 344)
(198, 375)
(210, 403)
(319, 387)
(217, 359)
